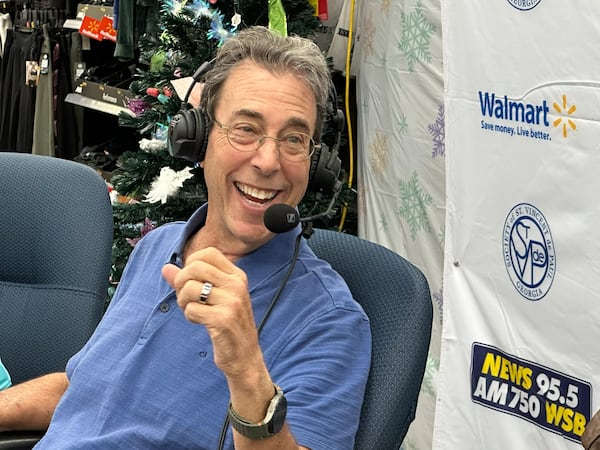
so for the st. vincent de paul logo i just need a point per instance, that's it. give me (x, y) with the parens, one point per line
(524, 5)
(528, 251)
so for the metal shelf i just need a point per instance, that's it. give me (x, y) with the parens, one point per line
(86, 102)
(72, 24)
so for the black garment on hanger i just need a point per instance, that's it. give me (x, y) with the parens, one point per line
(16, 129)
(3, 68)
(68, 140)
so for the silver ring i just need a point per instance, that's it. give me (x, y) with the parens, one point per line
(205, 292)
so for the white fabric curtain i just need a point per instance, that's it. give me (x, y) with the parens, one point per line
(397, 62)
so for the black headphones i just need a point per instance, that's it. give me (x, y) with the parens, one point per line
(190, 127)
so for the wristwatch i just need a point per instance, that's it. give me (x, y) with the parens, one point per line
(269, 426)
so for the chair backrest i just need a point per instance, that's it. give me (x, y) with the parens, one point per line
(55, 255)
(395, 296)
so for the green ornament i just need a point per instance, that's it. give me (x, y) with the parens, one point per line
(157, 61)
(277, 19)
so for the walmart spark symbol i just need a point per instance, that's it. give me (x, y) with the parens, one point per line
(565, 122)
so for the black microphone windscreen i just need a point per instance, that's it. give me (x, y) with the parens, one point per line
(280, 218)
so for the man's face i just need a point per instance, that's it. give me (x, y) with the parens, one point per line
(242, 185)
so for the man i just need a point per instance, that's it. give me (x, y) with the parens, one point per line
(187, 345)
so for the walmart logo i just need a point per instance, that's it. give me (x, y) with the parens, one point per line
(501, 114)
(503, 108)
(565, 122)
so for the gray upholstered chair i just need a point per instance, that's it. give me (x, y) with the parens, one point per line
(395, 295)
(56, 227)
(47, 201)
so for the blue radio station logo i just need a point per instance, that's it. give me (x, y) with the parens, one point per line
(524, 5)
(528, 250)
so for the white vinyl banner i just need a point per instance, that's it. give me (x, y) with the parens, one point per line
(520, 359)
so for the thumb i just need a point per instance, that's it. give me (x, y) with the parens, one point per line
(169, 272)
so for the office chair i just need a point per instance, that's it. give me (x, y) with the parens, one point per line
(56, 227)
(396, 298)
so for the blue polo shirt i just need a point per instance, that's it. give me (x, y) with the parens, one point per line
(4, 377)
(146, 379)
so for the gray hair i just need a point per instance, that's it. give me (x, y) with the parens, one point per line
(277, 54)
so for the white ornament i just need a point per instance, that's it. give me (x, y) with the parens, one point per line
(114, 197)
(152, 145)
(167, 184)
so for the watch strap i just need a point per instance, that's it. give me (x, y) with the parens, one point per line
(269, 426)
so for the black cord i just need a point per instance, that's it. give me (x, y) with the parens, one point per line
(266, 316)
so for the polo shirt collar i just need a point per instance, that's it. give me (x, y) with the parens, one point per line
(260, 264)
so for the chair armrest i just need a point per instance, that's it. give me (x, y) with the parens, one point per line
(19, 440)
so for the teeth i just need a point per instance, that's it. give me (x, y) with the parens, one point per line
(256, 193)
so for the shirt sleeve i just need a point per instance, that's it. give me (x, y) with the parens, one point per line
(4, 377)
(323, 365)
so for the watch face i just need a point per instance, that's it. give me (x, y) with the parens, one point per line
(278, 419)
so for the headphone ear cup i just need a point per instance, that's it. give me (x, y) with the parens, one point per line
(188, 134)
(326, 165)
(324, 171)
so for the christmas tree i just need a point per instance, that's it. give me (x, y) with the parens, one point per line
(151, 186)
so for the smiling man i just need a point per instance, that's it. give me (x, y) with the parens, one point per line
(222, 334)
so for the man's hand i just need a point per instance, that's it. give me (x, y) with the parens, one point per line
(227, 314)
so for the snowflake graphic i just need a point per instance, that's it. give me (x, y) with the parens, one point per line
(431, 369)
(442, 237)
(438, 299)
(402, 125)
(438, 134)
(416, 35)
(364, 106)
(385, 6)
(383, 223)
(361, 203)
(379, 152)
(413, 205)
(367, 35)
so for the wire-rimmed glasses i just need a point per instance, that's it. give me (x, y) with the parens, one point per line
(248, 137)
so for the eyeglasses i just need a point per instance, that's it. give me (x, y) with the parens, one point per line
(247, 137)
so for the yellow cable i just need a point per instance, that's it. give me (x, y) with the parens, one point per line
(347, 107)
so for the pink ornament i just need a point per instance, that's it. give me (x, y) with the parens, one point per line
(137, 105)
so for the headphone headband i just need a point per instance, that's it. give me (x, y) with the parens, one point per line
(190, 127)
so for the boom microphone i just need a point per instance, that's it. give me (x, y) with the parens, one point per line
(281, 218)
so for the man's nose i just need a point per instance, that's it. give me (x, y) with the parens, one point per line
(267, 154)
